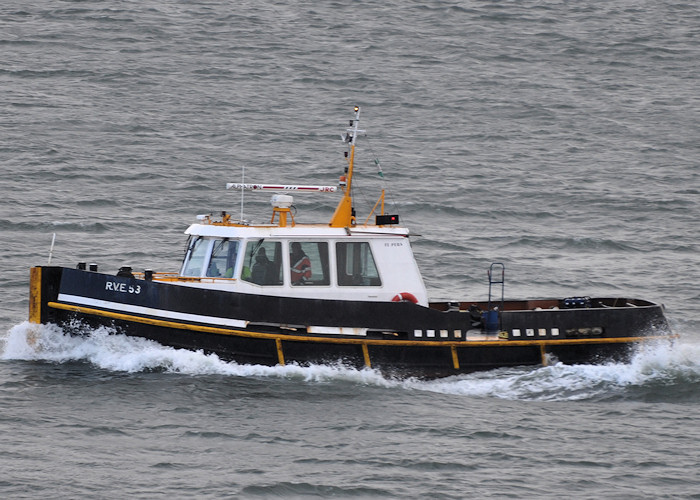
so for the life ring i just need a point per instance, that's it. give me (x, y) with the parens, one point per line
(405, 297)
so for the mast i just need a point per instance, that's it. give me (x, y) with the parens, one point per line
(344, 213)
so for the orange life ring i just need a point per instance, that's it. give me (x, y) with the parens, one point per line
(405, 297)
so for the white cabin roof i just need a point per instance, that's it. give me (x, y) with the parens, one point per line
(297, 231)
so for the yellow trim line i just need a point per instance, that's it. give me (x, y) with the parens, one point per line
(304, 338)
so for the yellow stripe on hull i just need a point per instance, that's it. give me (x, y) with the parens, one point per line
(327, 340)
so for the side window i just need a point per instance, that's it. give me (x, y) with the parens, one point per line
(263, 262)
(356, 265)
(308, 263)
(223, 258)
(195, 257)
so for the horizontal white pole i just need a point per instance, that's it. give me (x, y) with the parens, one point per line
(280, 187)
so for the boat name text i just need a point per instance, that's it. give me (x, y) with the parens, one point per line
(122, 287)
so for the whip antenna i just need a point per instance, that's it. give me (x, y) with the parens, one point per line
(242, 190)
(53, 240)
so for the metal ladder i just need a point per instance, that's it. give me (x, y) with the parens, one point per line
(497, 276)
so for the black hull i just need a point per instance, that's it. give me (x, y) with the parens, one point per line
(400, 338)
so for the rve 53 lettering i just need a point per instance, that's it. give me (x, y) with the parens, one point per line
(122, 287)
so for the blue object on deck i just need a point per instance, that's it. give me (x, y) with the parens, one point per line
(490, 319)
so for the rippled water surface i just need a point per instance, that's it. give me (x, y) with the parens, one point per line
(560, 138)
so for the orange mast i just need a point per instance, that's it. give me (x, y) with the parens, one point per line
(343, 216)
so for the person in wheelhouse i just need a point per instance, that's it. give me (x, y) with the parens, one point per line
(300, 264)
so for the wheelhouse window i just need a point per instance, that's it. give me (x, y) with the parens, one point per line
(356, 266)
(196, 254)
(222, 262)
(308, 263)
(263, 262)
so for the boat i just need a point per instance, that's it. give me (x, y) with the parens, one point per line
(347, 291)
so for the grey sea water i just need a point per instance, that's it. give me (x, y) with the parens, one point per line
(560, 138)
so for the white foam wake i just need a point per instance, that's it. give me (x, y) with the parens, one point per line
(653, 366)
(662, 364)
(105, 350)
